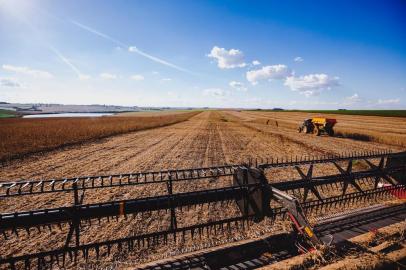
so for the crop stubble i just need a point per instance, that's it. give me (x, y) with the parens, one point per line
(209, 138)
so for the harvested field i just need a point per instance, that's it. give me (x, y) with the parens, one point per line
(386, 113)
(386, 130)
(19, 137)
(155, 113)
(208, 138)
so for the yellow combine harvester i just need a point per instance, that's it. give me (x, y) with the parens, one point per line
(318, 125)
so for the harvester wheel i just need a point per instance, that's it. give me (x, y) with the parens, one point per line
(317, 131)
(299, 129)
(305, 130)
(330, 132)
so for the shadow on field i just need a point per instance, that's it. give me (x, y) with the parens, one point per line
(354, 136)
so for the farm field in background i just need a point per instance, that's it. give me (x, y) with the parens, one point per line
(19, 137)
(155, 113)
(278, 131)
(387, 113)
(387, 130)
(7, 114)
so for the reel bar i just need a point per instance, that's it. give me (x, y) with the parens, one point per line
(33, 187)
(60, 215)
(70, 254)
(250, 191)
(119, 208)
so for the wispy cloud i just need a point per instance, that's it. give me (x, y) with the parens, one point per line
(10, 82)
(238, 86)
(49, 46)
(388, 101)
(351, 100)
(214, 92)
(298, 59)
(108, 76)
(28, 71)
(256, 63)
(132, 49)
(137, 77)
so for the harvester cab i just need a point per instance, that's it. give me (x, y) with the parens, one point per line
(318, 126)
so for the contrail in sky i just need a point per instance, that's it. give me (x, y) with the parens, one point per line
(52, 48)
(67, 62)
(93, 31)
(130, 48)
(156, 59)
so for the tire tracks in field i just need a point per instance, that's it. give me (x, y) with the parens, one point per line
(319, 145)
(201, 130)
(209, 138)
(166, 149)
(171, 156)
(263, 144)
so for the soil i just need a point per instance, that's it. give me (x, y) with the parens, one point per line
(209, 138)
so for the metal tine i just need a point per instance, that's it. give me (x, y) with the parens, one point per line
(110, 180)
(22, 187)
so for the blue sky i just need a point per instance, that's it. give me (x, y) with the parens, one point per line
(265, 54)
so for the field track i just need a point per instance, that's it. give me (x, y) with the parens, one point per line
(209, 138)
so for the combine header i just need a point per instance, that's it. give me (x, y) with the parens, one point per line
(249, 189)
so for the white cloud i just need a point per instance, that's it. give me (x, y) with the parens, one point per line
(352, 99)
(84, 77)
(268, 72)
(214, 92)
(256, 62)
(298, 59)
(9, 82)
(137, 77)
(238, 86)
(388, 101)
(226, 59)
(132, 49)
(155, 72)
(166, 79)
(108, 76)
(28, 71)
(311, 84)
